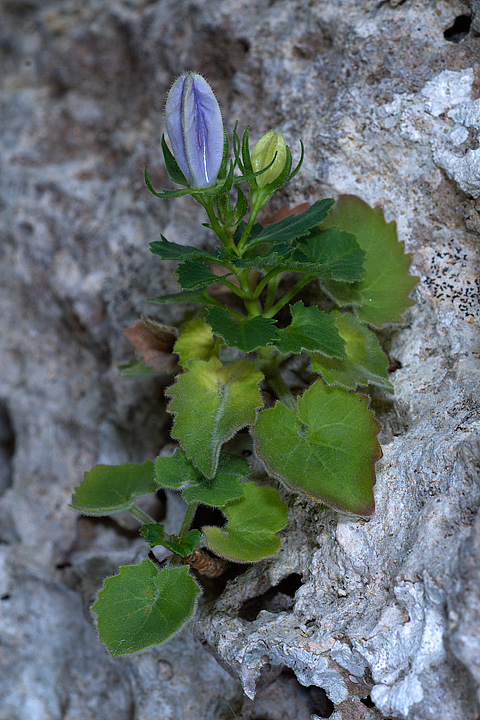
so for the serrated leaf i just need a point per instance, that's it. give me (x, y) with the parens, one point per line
(295, 226)
(365, 364)
(334, 248)
(387, 284)
(154, 535)
(178, 473)
(312, 330)
(186, 546)
(196, 342)
(110, 489)
(186, 296)
(173, 251)
(211, 402)
(249, 534)
(141, 606)
(193, 275)
(246, 335)
(327, 450)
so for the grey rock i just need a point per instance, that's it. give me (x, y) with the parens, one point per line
(388, 110)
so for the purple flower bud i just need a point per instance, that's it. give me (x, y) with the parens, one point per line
(195, 129)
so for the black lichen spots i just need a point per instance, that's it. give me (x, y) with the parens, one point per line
(459, 30)
(451, 279)
(276, 599)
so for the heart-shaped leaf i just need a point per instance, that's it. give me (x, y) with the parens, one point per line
(178, 473)
(141, 606)
(210, 403)
(365, 364)
(111, 489)
(327, 450)
(384, 291)
(249, 534)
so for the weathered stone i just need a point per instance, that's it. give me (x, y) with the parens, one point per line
(388, 109)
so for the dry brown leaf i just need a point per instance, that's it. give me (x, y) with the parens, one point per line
(154, 343)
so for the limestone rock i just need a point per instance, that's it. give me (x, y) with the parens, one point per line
(354, 619)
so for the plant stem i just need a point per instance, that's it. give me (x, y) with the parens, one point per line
(140, 515)
(288, 296)
(216, 227)
(272, 289)
(248, 229)
(187, 520)
(269, 366)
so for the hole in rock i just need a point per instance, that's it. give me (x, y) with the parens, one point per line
(276, 599)
(368, 702)
(7, 448)
(5, 597)
(459, 30)
(320, 703)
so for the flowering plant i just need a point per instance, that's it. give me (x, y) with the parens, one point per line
(231, 355)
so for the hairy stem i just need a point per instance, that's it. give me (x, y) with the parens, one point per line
(288, 296)
(140, 515)
(187, 520)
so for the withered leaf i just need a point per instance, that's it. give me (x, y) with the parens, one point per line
(154, 343)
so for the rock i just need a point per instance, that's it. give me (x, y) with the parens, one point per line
(358, 619)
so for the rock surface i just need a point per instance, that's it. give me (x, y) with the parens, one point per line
(353, 619)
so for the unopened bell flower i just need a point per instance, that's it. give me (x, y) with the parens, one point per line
(195, 129)
(264, 153)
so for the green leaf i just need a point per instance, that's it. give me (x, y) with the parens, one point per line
(110, 489)
(249, 534)
(196, 342)
(193, 274)
(335, 249)
(186, 296)
(385, 289)
(312, 330)
(211, 402)
(141, 606)
(295, 226)
(178, 473)
(327, 450)
(186, 546)
(173, 251)
(166, 194)
(172, 166)
(154, 535)
(365, 364)
(246, 335)
(136, 369)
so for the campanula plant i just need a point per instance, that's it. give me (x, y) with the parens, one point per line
(321, 440)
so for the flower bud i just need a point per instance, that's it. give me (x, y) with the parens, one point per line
(263, 154)
(195, 129)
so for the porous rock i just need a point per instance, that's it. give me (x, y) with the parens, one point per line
(383, 611)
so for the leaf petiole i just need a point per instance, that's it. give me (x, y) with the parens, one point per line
(140, 515)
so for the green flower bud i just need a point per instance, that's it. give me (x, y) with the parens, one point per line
(264, 153)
